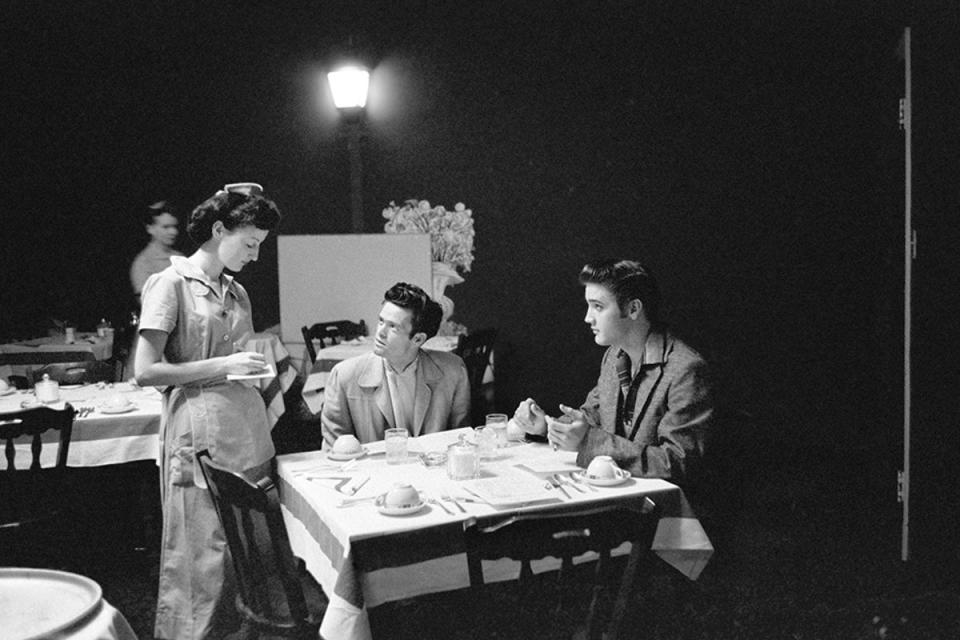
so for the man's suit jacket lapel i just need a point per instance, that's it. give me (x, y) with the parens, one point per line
(652, 371)
(372, 378)
(427, 377)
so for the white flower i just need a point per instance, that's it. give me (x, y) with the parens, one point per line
(451, 232)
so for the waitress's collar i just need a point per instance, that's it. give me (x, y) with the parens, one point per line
(191, 271)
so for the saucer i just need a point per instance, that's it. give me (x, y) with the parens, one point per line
(401, 511)
(70, 386)
(8, 391)
(129, 407)
(340, 457)
(622, 476)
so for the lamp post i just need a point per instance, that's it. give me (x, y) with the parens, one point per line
(349, 87)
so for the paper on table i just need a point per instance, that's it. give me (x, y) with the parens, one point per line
(558, 462)
(267, 372)
(511, 488)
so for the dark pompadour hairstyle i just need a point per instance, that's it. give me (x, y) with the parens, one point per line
(627, 280)
(233, 209)
(426, 312)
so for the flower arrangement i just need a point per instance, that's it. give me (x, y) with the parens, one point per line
(451, 232)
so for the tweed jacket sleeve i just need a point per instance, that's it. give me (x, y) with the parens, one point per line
(673, 413)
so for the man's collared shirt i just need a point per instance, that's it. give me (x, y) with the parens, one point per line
(402, 386)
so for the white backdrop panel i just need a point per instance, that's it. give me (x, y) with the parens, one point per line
(343, 277)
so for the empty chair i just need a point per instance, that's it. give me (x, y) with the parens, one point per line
(34, 498)
(331, 333)
(475, 349)
(533, 536)
(271, 597)
(83, 372)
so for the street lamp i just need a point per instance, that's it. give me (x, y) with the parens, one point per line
(349, 87)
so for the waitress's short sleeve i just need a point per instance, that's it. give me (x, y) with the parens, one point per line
(160, 307)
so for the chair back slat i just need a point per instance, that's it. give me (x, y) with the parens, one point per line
(30, 493)
(475, 350)
(260, 549)
(331, 333)
(533, 536)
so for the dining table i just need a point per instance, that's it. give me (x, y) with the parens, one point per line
(104, 434)
(18, 358)
(364, 554)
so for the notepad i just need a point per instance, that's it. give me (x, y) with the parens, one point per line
(267, 372)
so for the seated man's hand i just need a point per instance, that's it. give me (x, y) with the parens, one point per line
(567, 431)
(530, 418)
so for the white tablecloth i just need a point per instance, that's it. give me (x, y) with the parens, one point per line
(343, 548)
(102, 438)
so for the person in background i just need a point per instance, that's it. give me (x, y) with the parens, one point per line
(194, 321)
(652, 409)
(163, 228)
(399, 384)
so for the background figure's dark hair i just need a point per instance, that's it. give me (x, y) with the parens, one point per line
(628, 280)
(233, 209)
(158, 208)
(427, 313)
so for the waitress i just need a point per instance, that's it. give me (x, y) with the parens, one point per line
(193, 324)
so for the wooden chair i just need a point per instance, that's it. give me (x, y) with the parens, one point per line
(271, 598)
(83, 372)
(34, 499)
(331, 333)
(475, 349)
(533, 536)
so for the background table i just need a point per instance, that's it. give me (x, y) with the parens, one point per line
(362, 558)
(17, 358)
(100, 438)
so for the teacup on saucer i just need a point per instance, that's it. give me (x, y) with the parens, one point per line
(346, 445)
(401, 496)
(603, 468)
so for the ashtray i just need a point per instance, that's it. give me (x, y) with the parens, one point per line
(433, 458)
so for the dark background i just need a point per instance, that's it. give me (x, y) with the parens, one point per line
(748, 152)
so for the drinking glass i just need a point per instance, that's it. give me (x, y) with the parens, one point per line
(486, 438)
(498, 422)
(395, 444)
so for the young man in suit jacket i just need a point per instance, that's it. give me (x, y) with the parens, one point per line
(399, 384)
(651, 410)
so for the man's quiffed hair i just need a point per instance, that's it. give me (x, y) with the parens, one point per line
(627, 280)
(427, 314)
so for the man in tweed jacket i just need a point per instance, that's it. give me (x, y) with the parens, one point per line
(651, 410)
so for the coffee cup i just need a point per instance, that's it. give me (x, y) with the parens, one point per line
(116, 402)
(401, 496)
(346, 444)
(604, 468)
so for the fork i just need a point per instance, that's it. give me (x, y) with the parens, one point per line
(454, 501)
(564, 481)
(441, 505)
(578, 480)
(553, 484)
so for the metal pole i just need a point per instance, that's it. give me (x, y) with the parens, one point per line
(356, 176)
(909, 247)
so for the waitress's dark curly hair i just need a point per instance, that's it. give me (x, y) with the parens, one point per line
(233, 209)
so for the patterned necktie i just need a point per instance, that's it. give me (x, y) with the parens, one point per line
(628, 394)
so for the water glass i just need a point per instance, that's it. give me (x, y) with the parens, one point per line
(395, 444)
(498, 423)
(486, 439)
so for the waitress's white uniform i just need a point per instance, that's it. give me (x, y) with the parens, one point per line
(226, 418)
